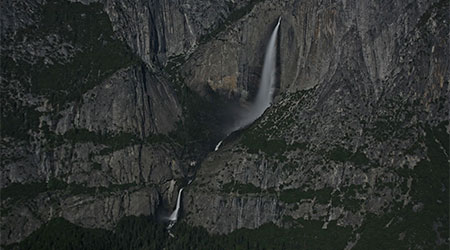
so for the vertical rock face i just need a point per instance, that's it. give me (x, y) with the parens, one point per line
(88, 106)
(81, 114)
(132, 101)
(312, 37)
(159, 29)
(370, 117)
(101, 210)
(97, 121)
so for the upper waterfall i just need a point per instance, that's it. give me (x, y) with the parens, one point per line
(267, 84)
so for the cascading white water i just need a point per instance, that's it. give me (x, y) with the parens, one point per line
(266, 86)
(174, 216)
(218, 146)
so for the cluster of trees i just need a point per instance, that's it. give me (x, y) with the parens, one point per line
(130, 233)
(145, 233)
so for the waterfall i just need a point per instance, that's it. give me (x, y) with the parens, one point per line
(174, 216)
(218, 145)
(266, 86)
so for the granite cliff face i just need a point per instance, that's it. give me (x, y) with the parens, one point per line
(111, 105)
(82, 111)
(363, 111)
(158, 30)
(313, 35)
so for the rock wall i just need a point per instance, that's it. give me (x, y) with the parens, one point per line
(158, 30)
(113, 119)
(373, 87)
(312, 40)
(103, 210)
(360, 118)
(102, 128)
